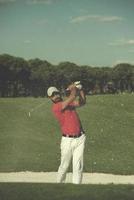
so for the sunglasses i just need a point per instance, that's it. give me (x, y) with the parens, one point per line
(55, 93)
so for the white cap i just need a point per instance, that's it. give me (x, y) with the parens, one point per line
(51, 90)
(78, 85)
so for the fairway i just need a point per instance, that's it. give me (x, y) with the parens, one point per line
(33, 143)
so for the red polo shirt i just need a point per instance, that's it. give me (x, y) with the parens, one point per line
(68, 119)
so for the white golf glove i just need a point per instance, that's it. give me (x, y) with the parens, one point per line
(78, 85)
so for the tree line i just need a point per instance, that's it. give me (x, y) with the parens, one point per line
(20, 77)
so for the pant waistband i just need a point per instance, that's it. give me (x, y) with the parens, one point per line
(73, 136)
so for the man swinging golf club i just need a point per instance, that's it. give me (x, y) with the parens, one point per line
(73, 137)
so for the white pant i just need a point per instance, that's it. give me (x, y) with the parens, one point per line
(71, 148)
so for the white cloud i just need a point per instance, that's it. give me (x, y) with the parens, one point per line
(27, 41)
(131, 51)
(34, 2)
(98, 18)
(83, 18)
(122, 42)
(110, 19)
(123, 61)
(130, 42)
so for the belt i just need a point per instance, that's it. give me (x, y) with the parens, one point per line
(72, 136)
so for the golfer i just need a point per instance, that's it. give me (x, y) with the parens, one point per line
(73, 137)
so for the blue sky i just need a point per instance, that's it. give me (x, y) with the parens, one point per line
(86, 32)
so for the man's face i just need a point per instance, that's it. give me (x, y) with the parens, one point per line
(56, 97)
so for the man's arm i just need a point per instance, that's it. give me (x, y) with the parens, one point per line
(82, 99)
(71, 97)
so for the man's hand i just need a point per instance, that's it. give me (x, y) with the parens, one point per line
(71, 87)
(80, 93)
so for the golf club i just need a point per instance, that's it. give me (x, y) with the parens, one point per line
(35, 108)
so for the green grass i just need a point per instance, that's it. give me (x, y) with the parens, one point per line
(14, 191)
(33, 144)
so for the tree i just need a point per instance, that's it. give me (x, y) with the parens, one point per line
(19, 77)
(123, 75)
(41, 76)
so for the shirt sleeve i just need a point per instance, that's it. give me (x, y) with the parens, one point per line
(74, 104)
